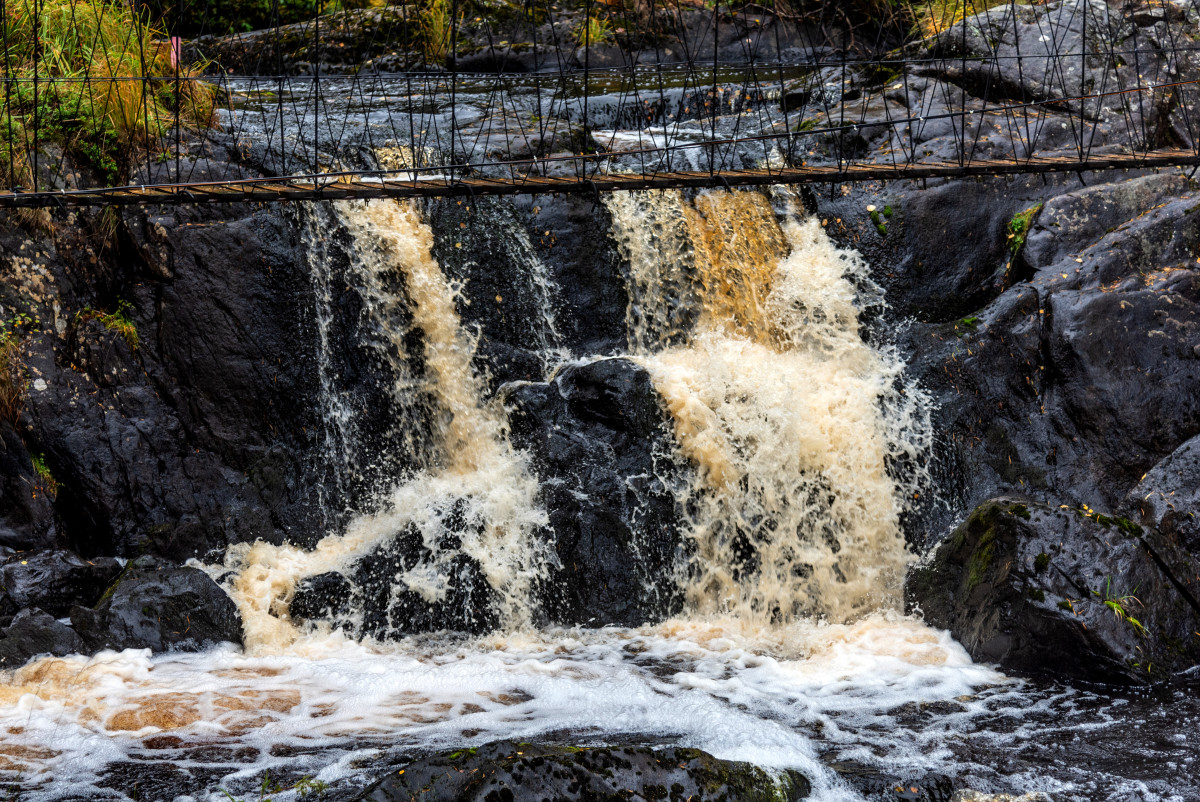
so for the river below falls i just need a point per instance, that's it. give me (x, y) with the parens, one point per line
(884, 694)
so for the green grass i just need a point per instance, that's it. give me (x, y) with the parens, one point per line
(437, 24)
(90, 56)
(12, 378)
(45, 479)
(119, 321)
(593, 31)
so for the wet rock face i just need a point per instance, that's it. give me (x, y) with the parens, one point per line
(55, 581)
(373, 599)
(1060, 591)
(185, 430)
(161, 607)
(507, 772)
(603, 448)
(33, 632)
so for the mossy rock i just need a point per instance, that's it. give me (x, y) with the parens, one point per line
(504, 771)
(1055, 590)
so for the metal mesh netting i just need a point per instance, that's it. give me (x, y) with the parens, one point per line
(106, 101)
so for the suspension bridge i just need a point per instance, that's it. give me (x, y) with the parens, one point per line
(588, 99)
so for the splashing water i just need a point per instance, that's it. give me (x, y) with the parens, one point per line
(750, 331)
(474, 471)
(790, 417)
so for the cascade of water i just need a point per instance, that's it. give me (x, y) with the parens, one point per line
(790, 417)
(472, 475)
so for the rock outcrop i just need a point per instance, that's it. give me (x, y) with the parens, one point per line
(1060, 591)
(603, 448)
(161, 607)
(505, 771)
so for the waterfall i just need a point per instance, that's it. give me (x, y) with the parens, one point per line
(791, 418)
(471, 475)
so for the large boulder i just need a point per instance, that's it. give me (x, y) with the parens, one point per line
(161, 607)
(55, 581)
(505, 771)
(1070, 592)
(603, 449)
(34, 632)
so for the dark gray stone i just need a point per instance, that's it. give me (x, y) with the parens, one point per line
(508, 772)
(1067, 592)
(55, 581)
(160, 607)
(34, 632)
(603, 447)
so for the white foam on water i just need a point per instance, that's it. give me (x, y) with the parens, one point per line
(759, 696)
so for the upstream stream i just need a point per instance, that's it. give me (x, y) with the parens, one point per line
(790, 648)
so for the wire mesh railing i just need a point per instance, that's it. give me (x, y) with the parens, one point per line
(116, 101)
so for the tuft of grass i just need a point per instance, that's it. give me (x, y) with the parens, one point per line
(45, 479)
(12, 378)
(120, 321)
(1119, 603)
(593, 31)
(437, 23)
(96, 61)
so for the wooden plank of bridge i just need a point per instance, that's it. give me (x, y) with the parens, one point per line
(276, 190)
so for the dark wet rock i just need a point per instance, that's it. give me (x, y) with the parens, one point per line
(1067, 592)
(373, 598)
(603, 448)
(27, 519)
(33, 632)
(1071, 222)
(508, 772)
(55, 581)
(1062, 392)
(322, 596)
(1168, 497)
(877, 785)
(161, 607)
(191, 434)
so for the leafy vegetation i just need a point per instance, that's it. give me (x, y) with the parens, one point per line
(592, 31)
(119, 321)
(437, 24)
(1018, 228)
(45, 479)
(1119, 603)
(96, 61)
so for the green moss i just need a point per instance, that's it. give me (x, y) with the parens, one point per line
(1065, 604)
(1020, 510)
(981, 560)
(1036, 594)
(1041, 562)
(1018, 228)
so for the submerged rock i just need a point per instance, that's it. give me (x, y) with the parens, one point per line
(506, 771)
(603, 450)
(161, 607)
(1060, 591)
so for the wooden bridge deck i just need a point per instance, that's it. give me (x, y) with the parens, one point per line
(397, 185)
